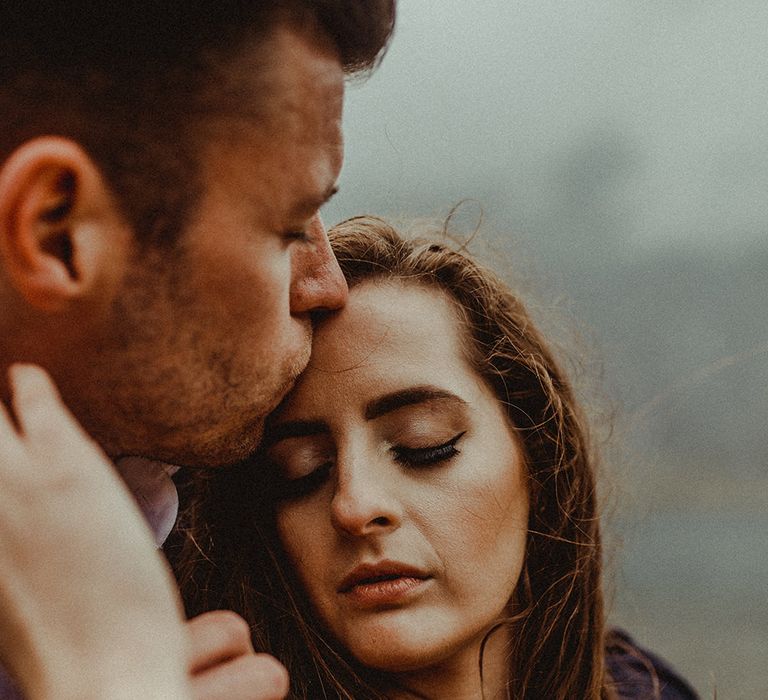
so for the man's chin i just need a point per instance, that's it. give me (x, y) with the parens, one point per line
(235, 449)
(229, 450)
(212, 451)
(292, 374)
(220, 444)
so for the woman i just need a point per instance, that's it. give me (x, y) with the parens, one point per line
(422, 519)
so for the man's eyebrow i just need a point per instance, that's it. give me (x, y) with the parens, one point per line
(293, 428)
(408, 397)
(310, 205)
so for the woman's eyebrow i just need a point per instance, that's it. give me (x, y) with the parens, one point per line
(407, 397)
(294, 428)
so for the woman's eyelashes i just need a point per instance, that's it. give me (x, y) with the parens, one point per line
(288, 487)
(426, 456)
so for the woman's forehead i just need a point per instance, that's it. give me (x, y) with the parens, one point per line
(391, 337)
(387, 321)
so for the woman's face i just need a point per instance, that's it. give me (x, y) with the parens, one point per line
(404, 503)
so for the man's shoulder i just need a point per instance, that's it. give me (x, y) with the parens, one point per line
(638, 673)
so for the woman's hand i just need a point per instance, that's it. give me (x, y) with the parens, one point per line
(223, 664)
(87, 605)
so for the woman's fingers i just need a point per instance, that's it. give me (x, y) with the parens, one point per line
(43, 419)
(224, 665)
(82, 580)
(252, 677)
(36, 402)
(215, 637)
(9, 436)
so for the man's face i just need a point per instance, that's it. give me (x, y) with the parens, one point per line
(206, 337)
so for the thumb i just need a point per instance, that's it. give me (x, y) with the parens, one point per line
(40, 412)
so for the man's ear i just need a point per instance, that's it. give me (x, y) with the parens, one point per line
(60, 229)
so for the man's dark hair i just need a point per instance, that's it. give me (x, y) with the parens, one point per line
(134, 82)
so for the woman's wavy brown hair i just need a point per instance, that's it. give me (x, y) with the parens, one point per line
(231, 556)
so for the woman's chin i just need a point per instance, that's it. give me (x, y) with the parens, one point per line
(398, 649)
(395, 658)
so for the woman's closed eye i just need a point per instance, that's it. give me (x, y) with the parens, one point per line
(299, 465)
(301, 470)
(288, 488)
(426, 456)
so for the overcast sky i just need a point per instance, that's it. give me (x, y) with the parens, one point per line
(654, 112)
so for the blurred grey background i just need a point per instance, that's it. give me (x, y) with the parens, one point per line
(619, 153)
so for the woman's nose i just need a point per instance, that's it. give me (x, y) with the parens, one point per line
(365, 502)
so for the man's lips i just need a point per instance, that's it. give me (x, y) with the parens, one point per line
(369, 574)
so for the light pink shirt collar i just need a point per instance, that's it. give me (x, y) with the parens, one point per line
(155, 493)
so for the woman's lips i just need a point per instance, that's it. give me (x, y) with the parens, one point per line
(385, 583)
(392, 591)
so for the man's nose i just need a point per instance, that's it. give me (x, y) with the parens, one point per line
(317, 283)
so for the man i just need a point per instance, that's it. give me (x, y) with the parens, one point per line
(161, 256)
